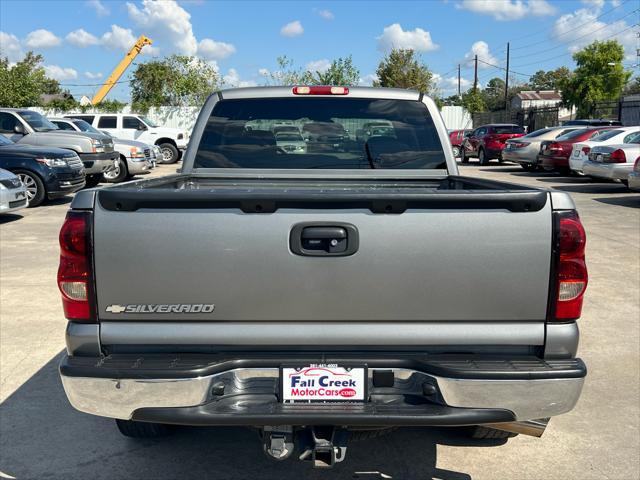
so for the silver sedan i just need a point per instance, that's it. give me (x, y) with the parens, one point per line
(525, 150)
(613, 162)
(13, 193)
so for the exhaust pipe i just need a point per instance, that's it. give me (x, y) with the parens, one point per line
(533, 428)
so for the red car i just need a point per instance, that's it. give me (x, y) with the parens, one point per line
(456, 137)
(488, 141)
(554, 154)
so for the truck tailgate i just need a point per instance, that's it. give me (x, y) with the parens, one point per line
(423, 264)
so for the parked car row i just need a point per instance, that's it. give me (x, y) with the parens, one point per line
(597, 148)
(52, 157)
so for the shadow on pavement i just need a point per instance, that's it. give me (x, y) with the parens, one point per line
(59, 201)
(632, 201)
(9, 217)
(44, 437)
(594, 188)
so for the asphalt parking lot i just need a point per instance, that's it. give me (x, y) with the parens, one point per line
(43, 437)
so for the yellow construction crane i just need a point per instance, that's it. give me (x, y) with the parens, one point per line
(120, 69)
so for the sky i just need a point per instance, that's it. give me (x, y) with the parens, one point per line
(82, 41)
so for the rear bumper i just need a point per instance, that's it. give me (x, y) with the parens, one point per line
(610, 171)
(210, 390)
(549, 162)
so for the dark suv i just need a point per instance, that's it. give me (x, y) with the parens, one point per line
(488, 141)
(46, 172)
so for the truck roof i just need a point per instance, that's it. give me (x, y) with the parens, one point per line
(287, 91)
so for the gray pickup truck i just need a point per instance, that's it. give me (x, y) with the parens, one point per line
(317, 296)
(29, 127)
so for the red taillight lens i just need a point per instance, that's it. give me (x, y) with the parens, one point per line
(617, 156)
(321, 90)
(571, 275)
(586, 150)
(74, 271)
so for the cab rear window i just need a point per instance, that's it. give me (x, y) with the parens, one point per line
(339, 133)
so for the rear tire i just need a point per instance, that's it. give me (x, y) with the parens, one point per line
(485, 433)
(170, 153)
(456, 151)
(482, 157)
(133, 429)
(36, 192)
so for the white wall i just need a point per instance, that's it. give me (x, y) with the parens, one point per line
(456, 118)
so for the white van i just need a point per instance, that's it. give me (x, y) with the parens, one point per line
(131, 126)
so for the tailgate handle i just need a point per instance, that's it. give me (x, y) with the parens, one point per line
(322, 240)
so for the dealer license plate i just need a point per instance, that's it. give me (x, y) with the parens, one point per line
(323, 383)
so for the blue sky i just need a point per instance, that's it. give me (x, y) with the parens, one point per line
(83, 40)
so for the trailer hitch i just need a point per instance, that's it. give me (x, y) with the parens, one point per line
(323, 446)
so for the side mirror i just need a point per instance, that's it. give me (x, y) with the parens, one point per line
(141, 127)
(19, 129)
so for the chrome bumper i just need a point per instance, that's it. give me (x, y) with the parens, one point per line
(610, 171)
(137, 166)
(120, 398)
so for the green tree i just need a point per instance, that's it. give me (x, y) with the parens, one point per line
(473, 101)
(549, 80)
(177, 80)
(340, 72)
(599, 76)
(288, 74)
(493, 94)
(402, 69)
(22, 84)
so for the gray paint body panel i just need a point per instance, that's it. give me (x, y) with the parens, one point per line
(421, 265)
(390, 334)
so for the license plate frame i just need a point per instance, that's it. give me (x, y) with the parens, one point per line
(315, 371)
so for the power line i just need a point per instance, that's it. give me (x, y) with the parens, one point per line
(568, 31)
(608, 25)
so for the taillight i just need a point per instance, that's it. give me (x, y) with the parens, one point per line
(586, 150)
(321, 90)
(617, 156)
(75, 278)
(571, 271)
(554, 146)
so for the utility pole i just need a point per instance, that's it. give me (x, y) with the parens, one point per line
(459, 93)
(475, 75)
(506, 81)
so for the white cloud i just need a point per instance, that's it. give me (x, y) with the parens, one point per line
(367, 80)
(232, 79)
(594, 3)
(119, 38)
(449, 85)
(321, 65)
(264, 72)
(167, 23)
(326, 14)
(10, 47)
(211, 50)
(60, 73)
(42, 38)
(564, 31)
(292, 29)
(481, 49)
(93, 76)
(508, 9)
(394, 36)
(99, 8)
(81, 38)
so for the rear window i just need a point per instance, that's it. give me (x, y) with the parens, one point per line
(573, 134)
(607, 134)
(537, 133)
(337, 132)
(507, 129)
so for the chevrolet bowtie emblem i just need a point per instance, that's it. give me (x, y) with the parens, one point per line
(116, 308)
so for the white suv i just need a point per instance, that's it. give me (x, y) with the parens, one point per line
(130, 126)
